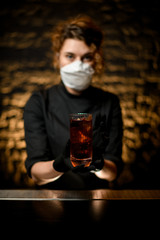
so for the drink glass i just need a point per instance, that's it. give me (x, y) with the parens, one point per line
(81, 139)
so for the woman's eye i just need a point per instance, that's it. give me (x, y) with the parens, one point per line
(88, 58)
(69, 56)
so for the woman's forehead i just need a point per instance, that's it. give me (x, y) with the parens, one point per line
(75, 46)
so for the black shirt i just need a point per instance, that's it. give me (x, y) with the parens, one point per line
(46, 119)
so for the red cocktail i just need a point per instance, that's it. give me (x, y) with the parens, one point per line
(81, 139)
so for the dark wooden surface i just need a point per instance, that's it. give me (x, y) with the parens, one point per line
(77, 213)
(100, 194)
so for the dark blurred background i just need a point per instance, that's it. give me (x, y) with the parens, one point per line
(132, 71)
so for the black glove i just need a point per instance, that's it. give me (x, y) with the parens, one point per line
(97, 159)
(62, 163)
(82, 169)
(96, 164)
(100, 141)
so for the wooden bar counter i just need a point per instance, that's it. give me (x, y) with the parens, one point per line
(96, 211)
(63, 195)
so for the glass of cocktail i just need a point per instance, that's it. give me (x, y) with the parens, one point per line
(81, 139)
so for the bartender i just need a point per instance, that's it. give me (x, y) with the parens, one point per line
(77, 49)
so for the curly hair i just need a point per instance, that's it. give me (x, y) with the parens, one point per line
(81, 28)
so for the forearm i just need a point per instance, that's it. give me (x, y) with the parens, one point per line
(108, 172)
(43, 172)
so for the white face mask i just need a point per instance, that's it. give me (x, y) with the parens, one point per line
(77, 75)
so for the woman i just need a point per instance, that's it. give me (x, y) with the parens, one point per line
(77, 53)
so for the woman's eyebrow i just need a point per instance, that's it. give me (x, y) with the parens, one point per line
(88, 53)
(70, 53)
(85, 54)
